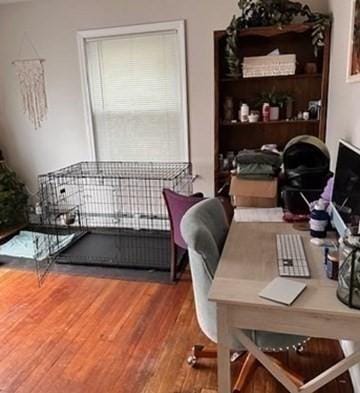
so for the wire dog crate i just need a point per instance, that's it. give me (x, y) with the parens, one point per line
(110, 213)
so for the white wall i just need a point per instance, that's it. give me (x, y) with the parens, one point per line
(344, 98)
(344, 116)
(52, 26)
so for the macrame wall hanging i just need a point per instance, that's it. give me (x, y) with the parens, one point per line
(31, 77)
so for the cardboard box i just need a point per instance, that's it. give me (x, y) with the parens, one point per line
(253, 193)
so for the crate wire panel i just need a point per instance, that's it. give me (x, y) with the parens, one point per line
(119, 205)
(42, 244)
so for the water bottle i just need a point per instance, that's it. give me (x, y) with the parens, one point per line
(319, 220)
(244, 113)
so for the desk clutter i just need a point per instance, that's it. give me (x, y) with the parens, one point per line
(254, 182)
(265, 178)
(269, 187)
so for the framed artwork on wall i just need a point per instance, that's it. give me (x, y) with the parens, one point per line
(353, 74)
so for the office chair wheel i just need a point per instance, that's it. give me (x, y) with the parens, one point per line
(235, 357)
(300, 349)
(192, 361)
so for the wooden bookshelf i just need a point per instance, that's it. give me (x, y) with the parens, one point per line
(303, 87)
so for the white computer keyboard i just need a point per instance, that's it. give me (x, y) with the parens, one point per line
(292, 261)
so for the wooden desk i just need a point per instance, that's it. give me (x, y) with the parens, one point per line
(247, 265)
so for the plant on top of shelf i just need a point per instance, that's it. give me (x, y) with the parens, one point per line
(260, 13)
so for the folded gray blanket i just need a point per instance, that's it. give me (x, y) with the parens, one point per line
(255, 164)
(258, 157)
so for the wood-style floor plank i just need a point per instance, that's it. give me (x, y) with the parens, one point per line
(91, 335)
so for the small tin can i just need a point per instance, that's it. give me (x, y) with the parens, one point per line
(332, 265)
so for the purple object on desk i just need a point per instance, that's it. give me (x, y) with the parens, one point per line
(328, 190)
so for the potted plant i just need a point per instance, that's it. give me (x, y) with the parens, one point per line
(13, 198)
(277, 102)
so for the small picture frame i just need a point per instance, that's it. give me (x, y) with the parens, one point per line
(314, 109)
(353, 72)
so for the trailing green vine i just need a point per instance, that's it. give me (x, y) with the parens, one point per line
(259, 13)
(232, 59)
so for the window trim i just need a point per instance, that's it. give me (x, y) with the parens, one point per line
(82, 35)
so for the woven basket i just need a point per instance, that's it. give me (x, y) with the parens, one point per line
(262, 66)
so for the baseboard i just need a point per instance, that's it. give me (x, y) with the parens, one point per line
(348, 348)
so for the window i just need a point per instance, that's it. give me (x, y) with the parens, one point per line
(135, 88)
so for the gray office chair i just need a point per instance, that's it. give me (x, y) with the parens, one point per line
(204, 228)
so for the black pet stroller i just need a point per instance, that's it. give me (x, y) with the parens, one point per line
(306, 162)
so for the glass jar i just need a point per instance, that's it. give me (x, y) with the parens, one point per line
(348, 290)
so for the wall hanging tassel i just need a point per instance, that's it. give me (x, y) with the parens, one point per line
(31, 76)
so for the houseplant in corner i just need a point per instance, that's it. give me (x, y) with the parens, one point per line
(13, 198)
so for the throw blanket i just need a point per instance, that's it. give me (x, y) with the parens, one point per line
(255, 164)
(23, 245)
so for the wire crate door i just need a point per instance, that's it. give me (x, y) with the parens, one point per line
(43, 258)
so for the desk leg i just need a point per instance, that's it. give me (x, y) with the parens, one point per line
(223, 352)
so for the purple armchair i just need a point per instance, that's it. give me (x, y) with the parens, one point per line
(177, 205)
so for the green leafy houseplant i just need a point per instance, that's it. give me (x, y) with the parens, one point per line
(259, 13)
(276, 100)
(273, 98)
(13, 198)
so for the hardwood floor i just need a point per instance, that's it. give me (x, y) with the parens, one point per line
(90, 335)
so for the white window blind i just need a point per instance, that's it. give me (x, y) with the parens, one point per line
(136, 96)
